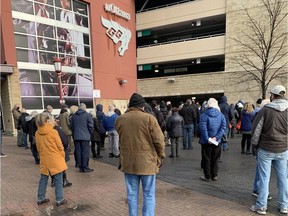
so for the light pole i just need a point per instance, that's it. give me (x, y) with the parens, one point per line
(58, 69)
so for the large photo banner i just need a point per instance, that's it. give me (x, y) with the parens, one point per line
(37, 42)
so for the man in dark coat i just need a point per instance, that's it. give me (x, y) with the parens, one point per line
(174, 127)
(16, 114)
(82, 127)
(190, 117)
(22, 124)
(228, 114)
(100, 115)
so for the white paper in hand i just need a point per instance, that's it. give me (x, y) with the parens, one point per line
(212, 141)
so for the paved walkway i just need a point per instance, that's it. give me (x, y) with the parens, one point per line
(101, 192)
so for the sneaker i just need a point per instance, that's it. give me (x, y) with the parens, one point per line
(171, 156)
(111, 155)
(43, 201)
(255, 194)
(63, 202)
(261, 211)
(67, 184)
(215, 178)
(3, 155)
(205, 179)
(99, 156)
(284, 211)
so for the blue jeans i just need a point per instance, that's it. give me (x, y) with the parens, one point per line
(188, 130)
(148, 187)
(279, 162)
(58, 180)
(255, 185)
(225, 145)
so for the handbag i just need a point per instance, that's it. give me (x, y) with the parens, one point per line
(238, 125)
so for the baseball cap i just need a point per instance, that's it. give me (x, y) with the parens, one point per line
(278, 90)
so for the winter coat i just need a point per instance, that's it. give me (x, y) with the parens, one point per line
(174, 125)
(189, 114)
(141, 142)
(16, 114)
(95, 136)
(64, 122)
(82, 125)
(51, 150)
(109, 121)
(226, 109)
(270, 127)
(64, 141)
(246, 122)
(212, 124)
(100, 116)
(160, 118)
(22, 124)
(32, 128)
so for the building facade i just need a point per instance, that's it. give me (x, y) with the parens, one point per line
(185, 49)
(95, 41)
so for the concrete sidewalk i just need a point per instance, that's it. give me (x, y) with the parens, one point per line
(101, 192)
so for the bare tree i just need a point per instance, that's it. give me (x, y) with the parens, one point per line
(263, 44)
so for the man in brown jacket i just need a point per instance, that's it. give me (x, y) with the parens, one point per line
(141, 153)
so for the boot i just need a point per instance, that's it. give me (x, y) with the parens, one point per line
(66, 183)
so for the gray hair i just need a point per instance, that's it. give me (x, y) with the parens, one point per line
(82, 106)
(34, 113)
(93, 113)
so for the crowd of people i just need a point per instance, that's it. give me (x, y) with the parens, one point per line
(139, 137)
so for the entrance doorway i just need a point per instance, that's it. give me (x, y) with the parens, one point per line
(176, 100)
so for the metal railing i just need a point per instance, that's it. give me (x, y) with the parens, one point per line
(166, 5)
(182, 40)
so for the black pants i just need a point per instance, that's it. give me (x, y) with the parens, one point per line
(102, 137)
(246, 137)
(93, 143)
(210, 157)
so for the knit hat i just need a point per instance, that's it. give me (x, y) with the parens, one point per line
(136, 100)
(212, 102)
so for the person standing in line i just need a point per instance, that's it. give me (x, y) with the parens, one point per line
(32, 128)
(233, 122)
(1, 133)
(270, 136)
(49, 109)
(256, 179)
(22, 124)
(100, 117)
(142, 151)
(64, 141)
(73, 109)
(82, 127)
(212, 128)
(95, 137)
(52, 158)
(174, 127)
(16, 114)
(227, 112)
(248, 114)
(158, 114)
(113, 137)
(190, 117)
(65, 125)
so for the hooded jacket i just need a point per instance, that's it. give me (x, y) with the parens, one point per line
(51, 150)
(212, 124)
(109, 121)
(100, 116)
(82, 125)
(141, 142)
(226, 110)
(270, 127)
